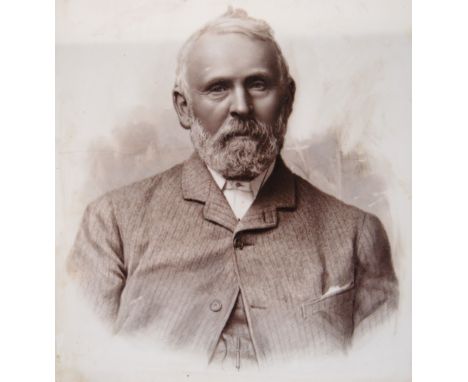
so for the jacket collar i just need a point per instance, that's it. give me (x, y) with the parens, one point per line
(278, 192)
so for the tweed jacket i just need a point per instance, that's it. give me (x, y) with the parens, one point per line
(167, 257)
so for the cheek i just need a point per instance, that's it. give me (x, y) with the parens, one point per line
(268, 109)
(211, 114)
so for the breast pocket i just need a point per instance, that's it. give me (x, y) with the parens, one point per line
(328, 321)
(336, 303)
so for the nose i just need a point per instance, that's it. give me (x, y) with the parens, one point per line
(241, 103)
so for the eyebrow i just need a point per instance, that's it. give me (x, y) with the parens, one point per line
(220, 78)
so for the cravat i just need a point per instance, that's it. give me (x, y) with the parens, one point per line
(239, 196)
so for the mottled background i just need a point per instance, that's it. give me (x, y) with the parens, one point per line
(350, 134)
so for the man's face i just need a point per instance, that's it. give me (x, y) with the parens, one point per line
(232, 74)
(236, 103)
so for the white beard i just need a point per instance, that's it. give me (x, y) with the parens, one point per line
(239, 150)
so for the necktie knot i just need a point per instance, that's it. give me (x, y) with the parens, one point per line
(238, 185)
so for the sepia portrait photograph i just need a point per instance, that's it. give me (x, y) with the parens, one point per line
(233, 190)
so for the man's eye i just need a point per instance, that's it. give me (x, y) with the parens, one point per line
(217, 89)
(258, 85)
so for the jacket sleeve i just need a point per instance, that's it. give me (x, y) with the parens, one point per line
(96, 260)
(375, 280)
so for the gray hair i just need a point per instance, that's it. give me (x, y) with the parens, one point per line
(233, 21)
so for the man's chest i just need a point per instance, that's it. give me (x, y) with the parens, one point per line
(181, 260)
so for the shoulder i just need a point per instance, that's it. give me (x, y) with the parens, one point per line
(138, 194)
(336, 218)
(311, 198)
(330, 212)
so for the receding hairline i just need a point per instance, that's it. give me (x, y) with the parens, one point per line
(253, 29)
(195, 47)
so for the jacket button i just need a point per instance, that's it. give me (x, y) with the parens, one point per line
(238, 243)
(216, 306)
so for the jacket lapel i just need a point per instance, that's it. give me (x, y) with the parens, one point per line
(198, 185)
(277, 193)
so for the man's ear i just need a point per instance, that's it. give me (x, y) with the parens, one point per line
(182, 109)
(289, 96)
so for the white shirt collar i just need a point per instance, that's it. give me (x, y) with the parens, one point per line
(255, 184)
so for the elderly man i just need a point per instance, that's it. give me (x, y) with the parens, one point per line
(230, 253)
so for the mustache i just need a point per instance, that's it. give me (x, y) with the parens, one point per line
(242, 128)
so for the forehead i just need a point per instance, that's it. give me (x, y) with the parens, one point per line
(230, 56)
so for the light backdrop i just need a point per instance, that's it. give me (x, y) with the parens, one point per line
(350, 135)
